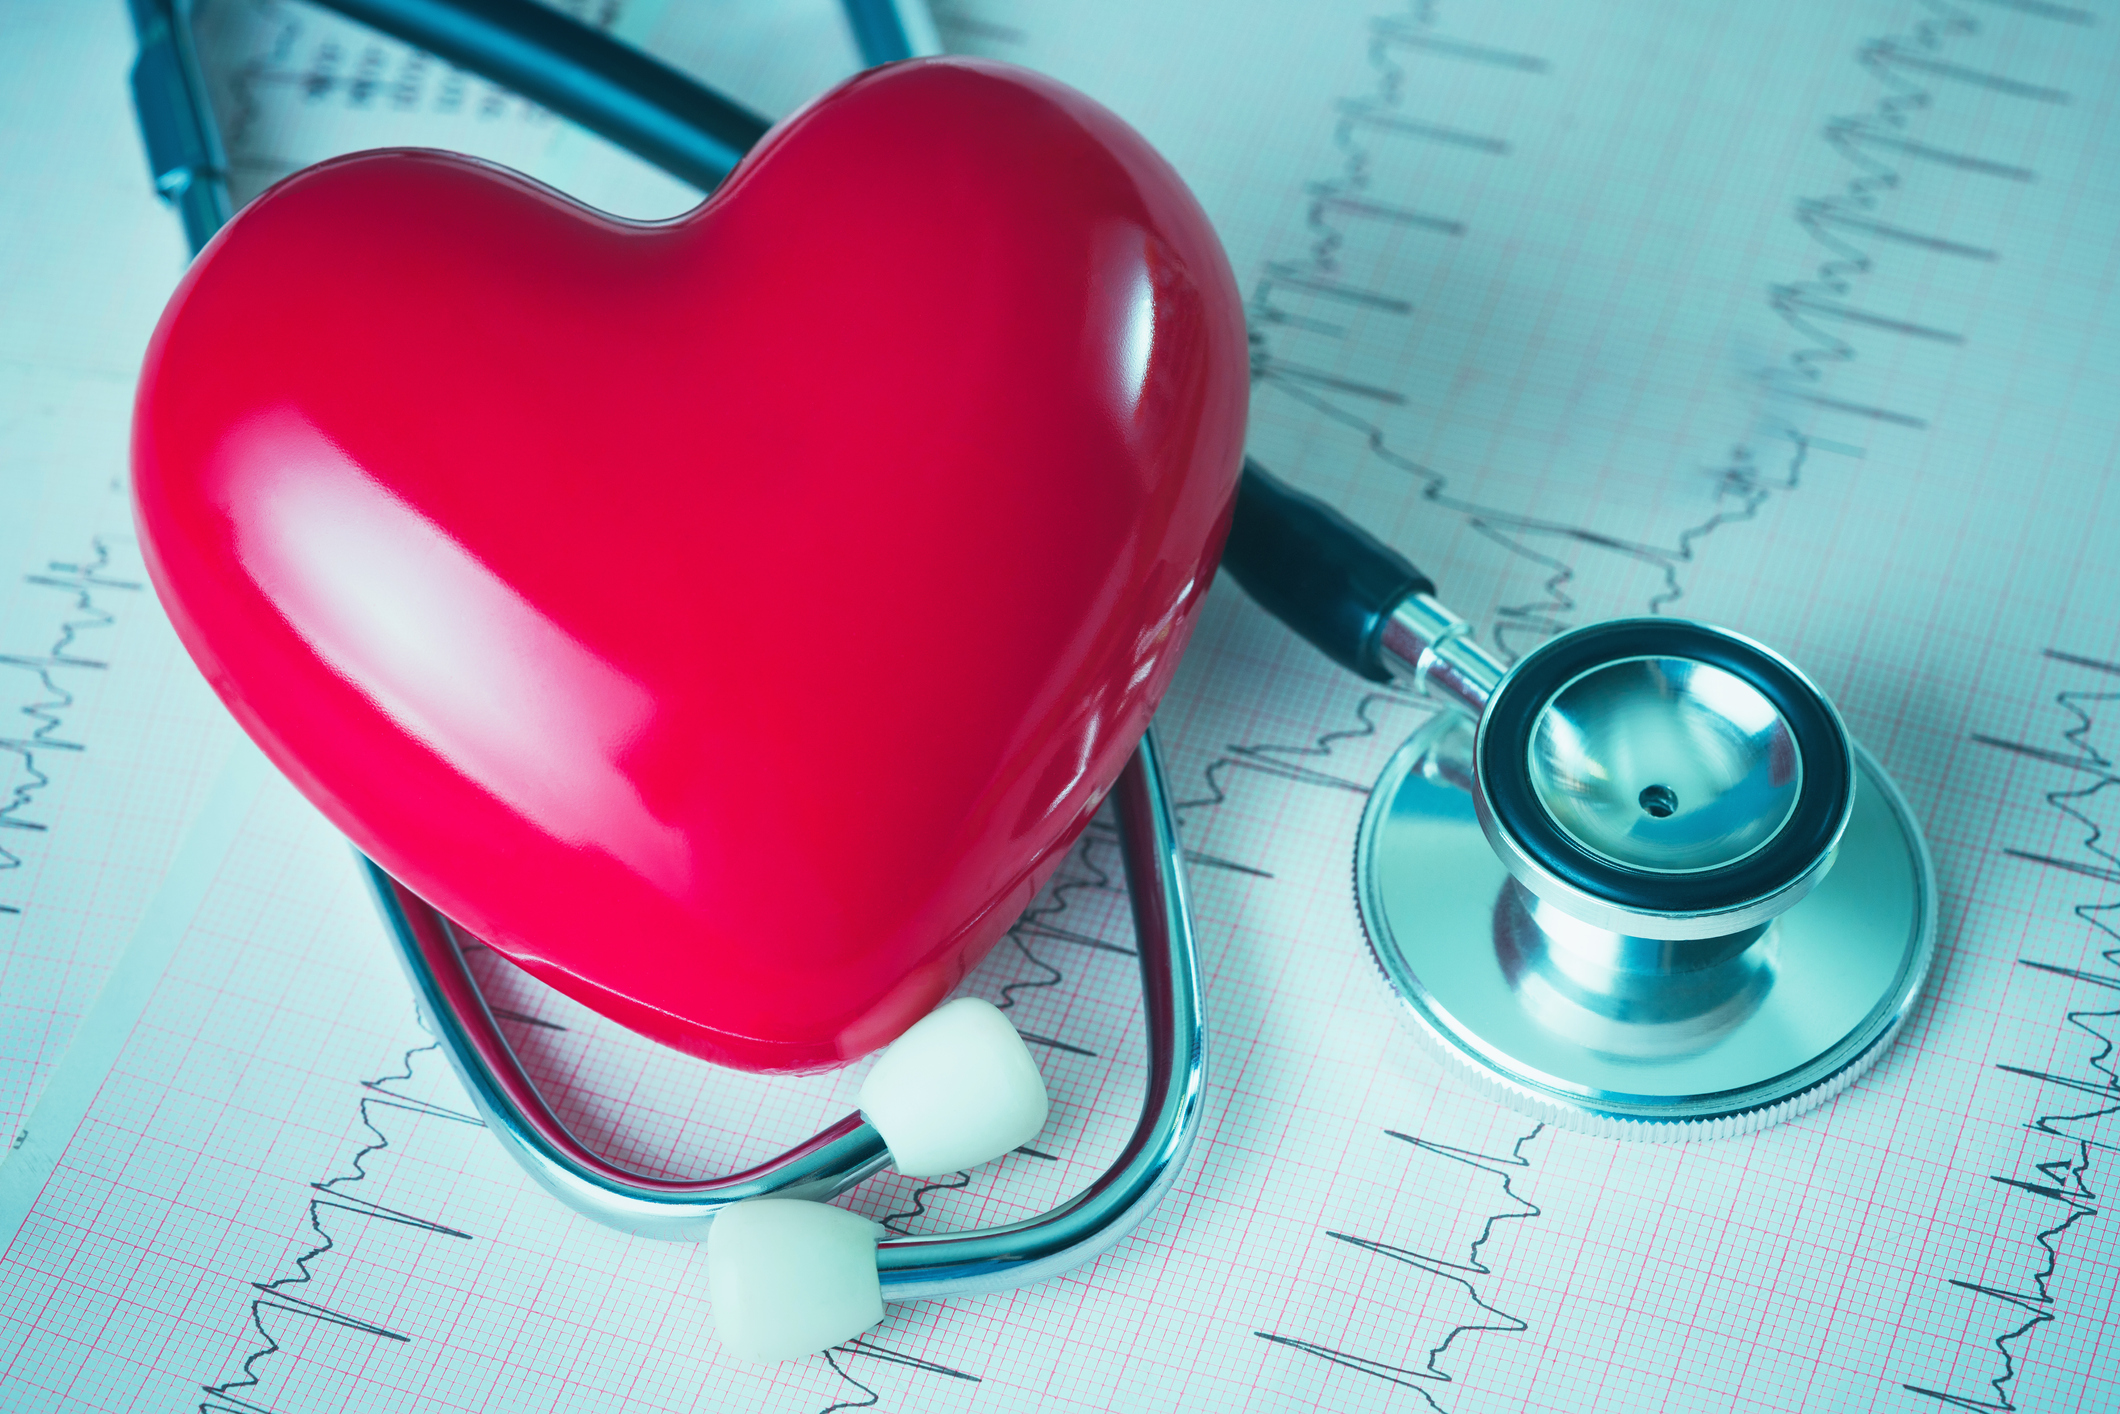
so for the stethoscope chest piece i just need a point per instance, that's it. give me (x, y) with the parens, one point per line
(1655, 892)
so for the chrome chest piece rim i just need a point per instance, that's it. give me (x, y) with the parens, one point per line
(1630, 1036)
(1576, 752)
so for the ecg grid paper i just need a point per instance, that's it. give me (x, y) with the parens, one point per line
(108, 738)
(1791, 320)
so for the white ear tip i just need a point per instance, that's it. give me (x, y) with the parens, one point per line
(956, 1090)
(790, 1278)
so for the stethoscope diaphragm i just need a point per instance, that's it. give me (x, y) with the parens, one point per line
(1622, 1035)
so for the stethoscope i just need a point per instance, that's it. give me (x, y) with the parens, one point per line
(1601, 880)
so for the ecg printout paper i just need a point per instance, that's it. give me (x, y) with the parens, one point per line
(1796, 320)
(108, 738)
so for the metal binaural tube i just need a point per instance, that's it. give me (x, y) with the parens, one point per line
(841, 1156)
(994, 1259)
(888, 30)
(638, 102)
(696, 135)
(508, 1100)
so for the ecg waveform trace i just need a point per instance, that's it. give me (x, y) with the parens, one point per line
(275, 1295)
(2067, 1180)
(1286, 298)
(1441, 1268)
(1042, 923)
(1277, 782)
(81, 579)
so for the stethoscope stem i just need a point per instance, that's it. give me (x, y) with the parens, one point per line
(1357, 600)
(1431, 650)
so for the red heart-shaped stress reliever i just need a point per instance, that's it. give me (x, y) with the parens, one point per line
(733, 619)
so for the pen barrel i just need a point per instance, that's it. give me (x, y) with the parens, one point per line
(1318, 572)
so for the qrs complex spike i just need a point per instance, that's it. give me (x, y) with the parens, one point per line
(1297, 302)
(83, 579)
(2067, 1178)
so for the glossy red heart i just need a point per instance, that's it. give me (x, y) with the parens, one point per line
(734, 619)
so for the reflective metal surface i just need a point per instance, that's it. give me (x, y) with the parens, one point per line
(1431, 650)
(1626, 1035)
(910, 1268)
(994, 1259)
(1640, 998)
(1665, 764)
